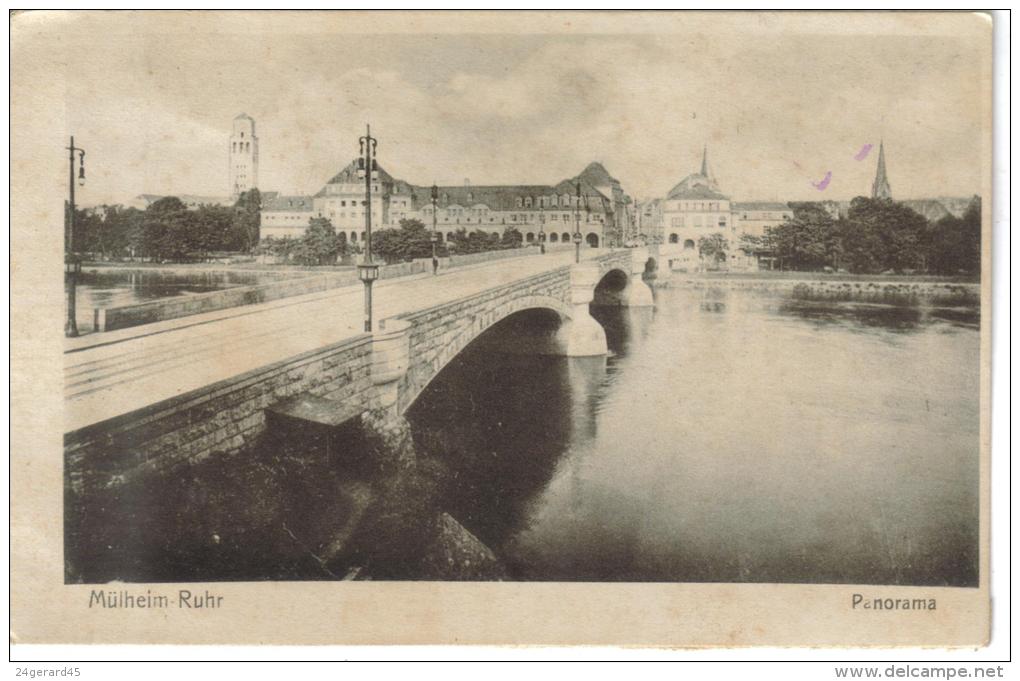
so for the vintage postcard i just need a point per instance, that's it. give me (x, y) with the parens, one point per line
(616, 328)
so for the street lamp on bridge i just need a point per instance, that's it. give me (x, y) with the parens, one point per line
(435, 233)
(368, 271)
(577, 225)
(541, 225)
(72, 264)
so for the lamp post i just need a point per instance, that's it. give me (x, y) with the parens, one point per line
(72, 265)
(577, 226)
(368, 271)
(541, 226)
(435, 233)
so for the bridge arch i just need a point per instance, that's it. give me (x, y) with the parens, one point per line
(611, 288)
(423, 367)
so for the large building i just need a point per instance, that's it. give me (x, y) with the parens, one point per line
(696, 207)
(602, 211)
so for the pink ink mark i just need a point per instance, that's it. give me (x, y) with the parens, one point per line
(863, 153)
(820, 186)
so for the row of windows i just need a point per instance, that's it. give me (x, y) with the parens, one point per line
(343, 204)
(241, 146)
(545, 201)
(698, 221)
(349, 188)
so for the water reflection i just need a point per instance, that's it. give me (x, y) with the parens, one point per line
(114, 288)
(754, 439)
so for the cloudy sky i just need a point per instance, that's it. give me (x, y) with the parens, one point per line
(152, 101)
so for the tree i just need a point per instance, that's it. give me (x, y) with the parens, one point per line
(247, 219)
(751, 244)
(810, 240)
(713, 247)
(411, 240)
(477, 241)
(952, 245)
(320, 244)
(880, 235)
(512, 238)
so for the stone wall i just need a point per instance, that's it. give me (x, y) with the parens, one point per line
(886, 291)
(222, 418)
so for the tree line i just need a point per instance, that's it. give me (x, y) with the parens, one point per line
(168, 230)
(875, 236)
(321, 244)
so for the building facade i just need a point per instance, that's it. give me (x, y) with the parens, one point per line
(549, 212)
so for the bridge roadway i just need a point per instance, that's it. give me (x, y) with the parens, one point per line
(109, 374)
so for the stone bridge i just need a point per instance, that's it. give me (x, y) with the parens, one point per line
(342, 378)
(410, 350)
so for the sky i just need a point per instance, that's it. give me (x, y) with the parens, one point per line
(778, 110)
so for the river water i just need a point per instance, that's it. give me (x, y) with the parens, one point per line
(116, 287)
(730, 436)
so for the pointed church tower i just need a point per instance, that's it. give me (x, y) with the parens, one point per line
(705, 170)
(880, 189)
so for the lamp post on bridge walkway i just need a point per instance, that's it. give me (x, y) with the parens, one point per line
(368, 271)
(72, 264)
(435, 233)
(541, 225)
(577, 225)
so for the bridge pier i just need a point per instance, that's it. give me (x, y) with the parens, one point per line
(638, 293)
(582, 336)
(391, 351)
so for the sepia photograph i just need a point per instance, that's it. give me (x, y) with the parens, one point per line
(542, 298)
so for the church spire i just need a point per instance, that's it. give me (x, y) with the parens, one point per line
(706, 172)
(880, 189)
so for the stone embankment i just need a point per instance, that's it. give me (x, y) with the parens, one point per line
(877, 291)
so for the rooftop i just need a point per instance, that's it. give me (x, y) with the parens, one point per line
(288, 203)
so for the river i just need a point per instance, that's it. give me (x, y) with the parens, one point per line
(114, 287)
(730, 436)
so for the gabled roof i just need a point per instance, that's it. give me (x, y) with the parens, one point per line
(350, 174)
(596, 175)
(288, 203)
(696, 186)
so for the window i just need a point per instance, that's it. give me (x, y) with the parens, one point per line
(527, 202)
(555, 217)
(343, 204)
(519, 202)
(676, 222)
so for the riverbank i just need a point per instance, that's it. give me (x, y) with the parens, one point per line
(878, 289)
